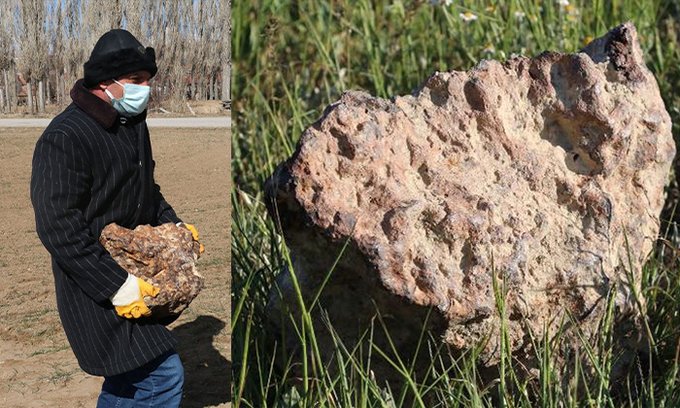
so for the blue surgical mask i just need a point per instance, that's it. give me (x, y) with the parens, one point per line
(134, 100)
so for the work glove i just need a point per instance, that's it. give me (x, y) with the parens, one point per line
(194, 234)
(129, 299)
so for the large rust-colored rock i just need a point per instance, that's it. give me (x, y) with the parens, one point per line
(164, 256)
(546, 172)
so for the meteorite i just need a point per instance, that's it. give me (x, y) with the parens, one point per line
(164, 256)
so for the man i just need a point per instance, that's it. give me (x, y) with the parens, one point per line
(93, 166)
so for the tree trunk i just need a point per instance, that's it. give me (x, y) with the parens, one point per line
(48, 100)
(216, 91)
(226, 81)
(13, 89)
(60, 90)
(63, 92)
(9, 90)
(41, 96)
(29, 97)
(57, 89)
(7, 107)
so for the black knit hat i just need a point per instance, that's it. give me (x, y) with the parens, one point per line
(118, 53)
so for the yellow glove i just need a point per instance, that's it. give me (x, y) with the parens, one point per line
(192, 228)
(129, 300)
(194, 234)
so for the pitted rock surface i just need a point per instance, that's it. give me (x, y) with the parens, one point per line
(164, 256)
(547, 173)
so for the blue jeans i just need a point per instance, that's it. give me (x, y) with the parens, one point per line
(155, 384)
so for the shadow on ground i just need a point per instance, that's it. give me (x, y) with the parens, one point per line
(207, 374)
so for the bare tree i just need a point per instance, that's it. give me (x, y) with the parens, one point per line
(76, 42)
(32, 60)
(46, 43)
(132, 12)
(6, 57)
(226, 58)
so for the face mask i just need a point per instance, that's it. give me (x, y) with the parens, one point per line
(134, 100)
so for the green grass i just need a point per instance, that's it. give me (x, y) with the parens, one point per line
(59, 375)
(292, 59)
(49, 350)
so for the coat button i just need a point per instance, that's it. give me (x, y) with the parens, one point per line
(140, 163)
(139, 205)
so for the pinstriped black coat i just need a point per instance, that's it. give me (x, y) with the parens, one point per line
(91, 168)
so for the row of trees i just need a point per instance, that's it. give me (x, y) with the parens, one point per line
(44, 44)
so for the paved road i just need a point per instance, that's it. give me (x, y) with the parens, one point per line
(190, 122)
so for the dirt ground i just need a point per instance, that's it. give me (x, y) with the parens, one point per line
(37, 366)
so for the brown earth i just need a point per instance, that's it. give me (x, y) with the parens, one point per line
(37, 366)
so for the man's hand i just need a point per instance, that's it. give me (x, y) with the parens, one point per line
(129, 300)
(194, 234)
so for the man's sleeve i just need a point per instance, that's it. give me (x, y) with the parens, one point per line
(60, 187)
